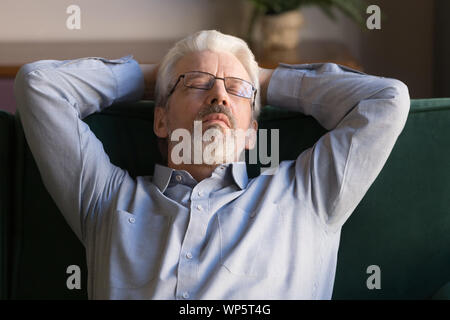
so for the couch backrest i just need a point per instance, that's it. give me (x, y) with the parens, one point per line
(401, 225)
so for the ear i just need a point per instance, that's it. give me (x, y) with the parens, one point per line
(250, 142)
(160, 122)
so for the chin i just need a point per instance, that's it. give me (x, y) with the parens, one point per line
(219, 156)
(222, 127)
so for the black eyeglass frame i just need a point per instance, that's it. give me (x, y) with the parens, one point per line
(215, 78)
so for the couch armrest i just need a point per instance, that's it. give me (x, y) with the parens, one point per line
(443, 293)
(6, 187)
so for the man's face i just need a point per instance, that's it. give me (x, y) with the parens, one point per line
(189, 104)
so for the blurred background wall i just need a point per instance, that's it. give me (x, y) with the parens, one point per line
(442, 49)
(43, 20)
(404, 48)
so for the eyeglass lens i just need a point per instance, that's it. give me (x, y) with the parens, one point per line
(206, 81)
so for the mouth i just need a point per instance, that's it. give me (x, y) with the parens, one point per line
(219, 118)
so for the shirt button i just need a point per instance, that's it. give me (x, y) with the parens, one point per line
(186, 295)
(200, 193)
(189, 255)
(199, 208)
(178, 178)
(131, 220)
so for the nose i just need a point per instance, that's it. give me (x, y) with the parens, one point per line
(218, 94)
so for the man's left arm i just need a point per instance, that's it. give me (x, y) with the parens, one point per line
(364, 115)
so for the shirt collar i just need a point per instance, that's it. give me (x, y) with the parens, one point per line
(162, 175)
(239, 171)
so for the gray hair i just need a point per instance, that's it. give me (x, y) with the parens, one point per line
(205, 40)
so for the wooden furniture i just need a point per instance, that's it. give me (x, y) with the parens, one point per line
(13, 55)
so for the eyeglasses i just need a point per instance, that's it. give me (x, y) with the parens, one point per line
(205, 81)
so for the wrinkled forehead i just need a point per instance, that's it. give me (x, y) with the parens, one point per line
(221, 64)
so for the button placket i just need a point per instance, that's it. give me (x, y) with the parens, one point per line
(188, 264)
(188, 267)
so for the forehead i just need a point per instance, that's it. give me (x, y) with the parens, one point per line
(221, 64)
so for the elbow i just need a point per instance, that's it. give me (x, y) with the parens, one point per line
(401, 96)
(20, 79)
(21, 87)
(26, 84)
(402, 102)
(397, 94)
(23, 74)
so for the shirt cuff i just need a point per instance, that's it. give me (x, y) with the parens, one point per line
(284, 87)
(129, 77)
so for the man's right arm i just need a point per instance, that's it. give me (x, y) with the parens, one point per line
(52, 97)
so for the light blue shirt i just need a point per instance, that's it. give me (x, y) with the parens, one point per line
(228, 237)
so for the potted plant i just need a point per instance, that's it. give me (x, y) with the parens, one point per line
(282, 19)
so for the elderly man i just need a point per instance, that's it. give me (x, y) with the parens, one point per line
(203, 229)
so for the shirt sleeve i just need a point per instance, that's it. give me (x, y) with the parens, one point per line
(364, 115)
(52, 99)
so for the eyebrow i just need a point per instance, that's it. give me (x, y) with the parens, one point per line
(243, 78)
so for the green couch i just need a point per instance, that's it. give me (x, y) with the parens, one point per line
(402, 225)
